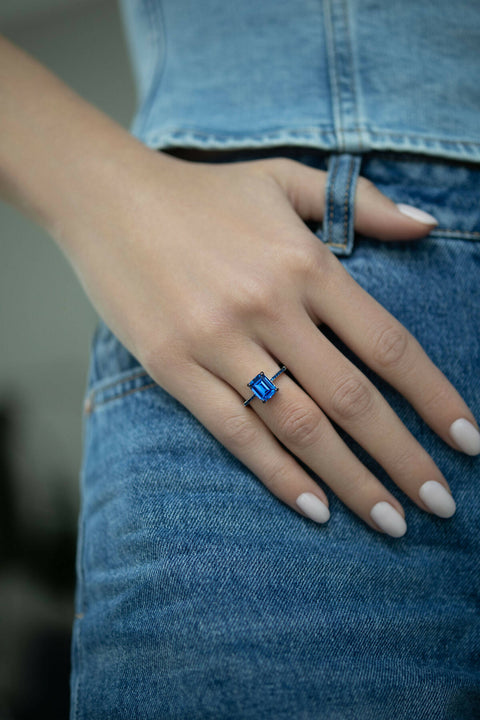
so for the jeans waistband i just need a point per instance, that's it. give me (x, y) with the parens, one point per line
(447, 189)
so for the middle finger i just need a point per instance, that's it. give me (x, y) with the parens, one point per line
(346, 396)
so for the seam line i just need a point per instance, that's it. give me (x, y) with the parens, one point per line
(119, 396)
(133, 376)
(346, 208)
(332, 197)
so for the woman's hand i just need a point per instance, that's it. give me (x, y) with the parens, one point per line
(208, 275)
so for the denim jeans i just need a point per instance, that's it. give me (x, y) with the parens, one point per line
(200, 595)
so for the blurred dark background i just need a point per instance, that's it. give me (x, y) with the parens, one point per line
(46, 324)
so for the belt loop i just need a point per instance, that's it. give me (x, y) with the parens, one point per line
(338, 221)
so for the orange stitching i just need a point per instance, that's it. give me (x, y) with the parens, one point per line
(133, 376)
(124, 394)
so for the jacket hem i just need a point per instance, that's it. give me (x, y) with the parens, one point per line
(361, 141)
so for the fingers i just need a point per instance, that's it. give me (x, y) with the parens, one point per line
(363, 324)
(376, 215)
(301, 426)
(354, 403)
(385, 345)
(220, 409)
(254, 322)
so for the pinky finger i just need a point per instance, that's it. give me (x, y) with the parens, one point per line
(220, 409)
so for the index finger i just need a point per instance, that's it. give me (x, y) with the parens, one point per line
(387, 347)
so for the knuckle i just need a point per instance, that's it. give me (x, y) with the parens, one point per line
(406, 463)
(390, 346)
(315, 262)
(238, 432)
(255, 297)
(301, 427)
(296, 258)
(437, 399)
(274, 168)
(324, 270)
(352, 397)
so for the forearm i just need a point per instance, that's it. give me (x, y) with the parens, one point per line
(61, 158)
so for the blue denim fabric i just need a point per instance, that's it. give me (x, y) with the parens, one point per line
(338, 75)
(200, 595)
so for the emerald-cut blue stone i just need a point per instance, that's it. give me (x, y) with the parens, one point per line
(262, 387)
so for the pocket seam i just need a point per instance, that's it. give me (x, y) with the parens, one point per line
(94, 397)
(101, 385)
(455, 234)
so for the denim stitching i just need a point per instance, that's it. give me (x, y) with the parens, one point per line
(110, 383)
(336, 130)
(331, 198)
(337, 245)
(346, 205)
(348, 42)
(176, 132)
(99, 403)
(77, 640)
(158, 63)
(459, 233)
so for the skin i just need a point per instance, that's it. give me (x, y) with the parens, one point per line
(167, 251)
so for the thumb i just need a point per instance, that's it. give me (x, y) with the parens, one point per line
(376, 215)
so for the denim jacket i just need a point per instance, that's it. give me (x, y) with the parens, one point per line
(337, 75)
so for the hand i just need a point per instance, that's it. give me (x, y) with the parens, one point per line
(209, 275)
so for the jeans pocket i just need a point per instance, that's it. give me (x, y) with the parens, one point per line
(114, 372)
(117, 387)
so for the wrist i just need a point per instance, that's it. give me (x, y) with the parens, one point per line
(62, 160)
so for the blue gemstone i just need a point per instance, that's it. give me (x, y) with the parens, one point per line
(262, 387)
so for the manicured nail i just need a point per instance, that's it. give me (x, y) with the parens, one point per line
(417, 214)
(466, 436)
(389, 519)
(313, 507)
(437, 498)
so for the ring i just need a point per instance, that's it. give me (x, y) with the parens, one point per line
(262, 387)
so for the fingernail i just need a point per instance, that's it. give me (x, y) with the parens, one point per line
(313, 507)
(437, 498)
(389, 519)
(417, 214)
(466, 436)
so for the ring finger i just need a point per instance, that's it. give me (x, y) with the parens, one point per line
(302, 427)
(353, 402)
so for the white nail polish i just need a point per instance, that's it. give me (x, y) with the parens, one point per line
(437, 498)
(313, 507)
(417, 214)
(389, 519)
(466, 436)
